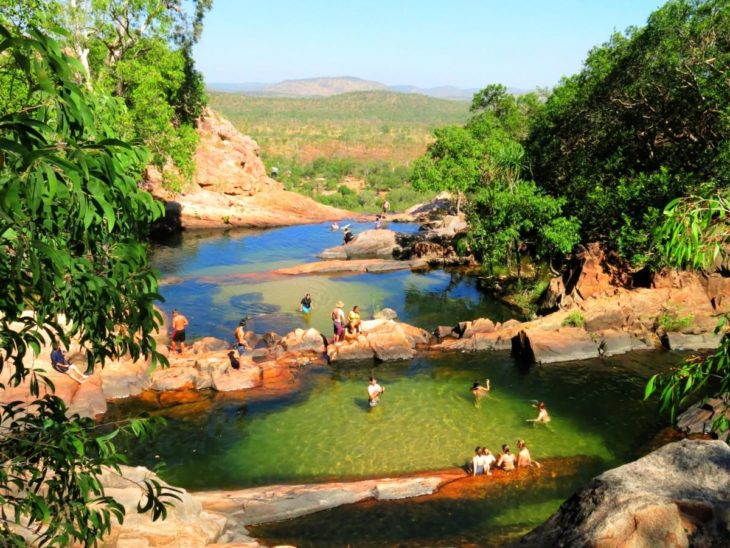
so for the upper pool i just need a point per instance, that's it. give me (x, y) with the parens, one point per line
(202, 277)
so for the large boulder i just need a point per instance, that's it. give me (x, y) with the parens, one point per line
(370, 244)
(391, 345)
(675, 496)
(89, 400)
(561, 345)
(124, 378)
(700, 417)
(186, 524)
(237, 379)
(300, 340)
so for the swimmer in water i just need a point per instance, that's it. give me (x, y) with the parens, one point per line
(480, 391)
(542, 414)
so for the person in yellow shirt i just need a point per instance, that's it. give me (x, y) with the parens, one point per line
(354, 318)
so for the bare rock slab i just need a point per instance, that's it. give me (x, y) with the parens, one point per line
(675, 496)
(561, 345)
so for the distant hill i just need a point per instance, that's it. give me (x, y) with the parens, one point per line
(377, 125)
(327, 87)
(321, 87)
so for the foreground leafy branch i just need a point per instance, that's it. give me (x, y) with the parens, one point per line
(696, 234)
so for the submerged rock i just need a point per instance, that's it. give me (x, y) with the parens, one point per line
(675, 496)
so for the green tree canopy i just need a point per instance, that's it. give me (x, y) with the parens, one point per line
(647, 120)
(73, 263)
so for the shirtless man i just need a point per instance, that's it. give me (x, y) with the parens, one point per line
(374, 392)
(240, 335)
(524, 459)
(178, 330)
(480, 391)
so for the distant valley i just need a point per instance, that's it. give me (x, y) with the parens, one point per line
(328, 86)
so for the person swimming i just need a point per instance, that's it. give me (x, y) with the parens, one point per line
(480, 391)
(542, 414)
(477, 462)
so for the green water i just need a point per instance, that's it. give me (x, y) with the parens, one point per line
(427, 420)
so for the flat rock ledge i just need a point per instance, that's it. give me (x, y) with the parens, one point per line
(220, 518)
(678, 495)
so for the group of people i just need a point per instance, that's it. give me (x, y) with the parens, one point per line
(484, 461)
(345, 326)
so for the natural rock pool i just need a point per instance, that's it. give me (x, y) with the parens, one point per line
(428, 418)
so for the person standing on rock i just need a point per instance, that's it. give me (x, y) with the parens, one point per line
(179, 322)
(386, 207)
(240, 335)
(338, 321)
(374, 392)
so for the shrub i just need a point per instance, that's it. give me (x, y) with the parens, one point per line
(575, 319)
(670, 320)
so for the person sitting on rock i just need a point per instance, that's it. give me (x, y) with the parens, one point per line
(477, 462)
(523, 457)
(348, 236)
(488, 460)
(506, 460)
(62, 365)
(349, 334)
(354, 318)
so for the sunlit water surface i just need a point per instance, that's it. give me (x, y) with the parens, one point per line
(428, 418)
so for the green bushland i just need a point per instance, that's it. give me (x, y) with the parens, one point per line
(371, 125)
(600, 156)
(372, 182)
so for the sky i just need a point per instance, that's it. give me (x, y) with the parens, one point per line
(426, 43)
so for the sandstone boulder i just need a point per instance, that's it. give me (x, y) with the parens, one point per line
(356, 350)
(386, 314)
(699, 418)
(561, 345)
(675, 496)
(209, 344)
(237, 379)
(174, 378)
(480, 325)
(370, 244)
(187, 524)
(300, 340)
(89, 400)
(614, 342)
(391, 346)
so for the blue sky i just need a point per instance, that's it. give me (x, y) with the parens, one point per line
(465, 43)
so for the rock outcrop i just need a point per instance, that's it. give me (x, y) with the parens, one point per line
(382, 339)
(370, 244)
(186, 524)
(231, 188)
(675, 496)
(700, 417)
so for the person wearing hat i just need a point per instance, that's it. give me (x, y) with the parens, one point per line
(348, 236)
(338, 321)
(240, 335)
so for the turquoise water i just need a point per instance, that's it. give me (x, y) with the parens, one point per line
(215, 279)
(427, 420)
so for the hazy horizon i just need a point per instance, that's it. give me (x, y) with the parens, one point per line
(465, 44)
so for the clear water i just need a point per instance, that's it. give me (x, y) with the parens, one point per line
(428, 418)
(217, 278)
